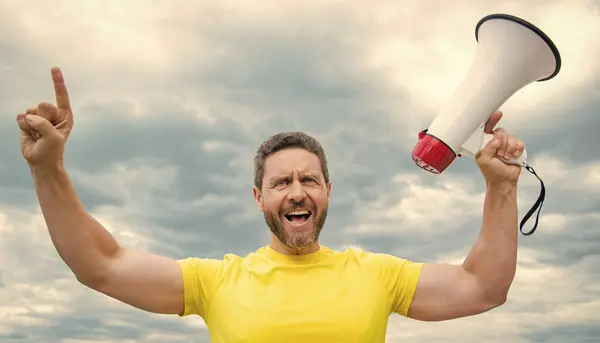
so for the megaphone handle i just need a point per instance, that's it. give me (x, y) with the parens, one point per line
(520, 160)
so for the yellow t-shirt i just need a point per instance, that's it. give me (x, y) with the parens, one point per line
(327, 296)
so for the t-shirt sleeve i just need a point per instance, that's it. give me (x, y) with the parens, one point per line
(400, 278)
(199, 281)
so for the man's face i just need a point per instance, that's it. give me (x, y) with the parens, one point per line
(294, 197)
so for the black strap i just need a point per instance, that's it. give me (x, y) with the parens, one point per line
(537, 206)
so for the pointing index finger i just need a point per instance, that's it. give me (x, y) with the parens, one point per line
(60, 90)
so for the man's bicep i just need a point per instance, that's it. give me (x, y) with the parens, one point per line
(444, 292)
(159, 284)
(146, 281)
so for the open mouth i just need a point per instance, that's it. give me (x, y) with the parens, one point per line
(298, 217)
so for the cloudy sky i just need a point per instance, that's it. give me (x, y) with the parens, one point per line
(172, 98)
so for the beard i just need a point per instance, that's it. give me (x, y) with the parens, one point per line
(296, 240)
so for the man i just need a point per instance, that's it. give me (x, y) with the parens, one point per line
(293, 289)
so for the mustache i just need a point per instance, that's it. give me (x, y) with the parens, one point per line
(294, 205)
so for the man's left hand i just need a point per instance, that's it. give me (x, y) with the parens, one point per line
(495, 171)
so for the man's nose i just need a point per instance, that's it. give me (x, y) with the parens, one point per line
(296, 192)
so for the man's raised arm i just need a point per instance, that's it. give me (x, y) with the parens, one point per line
(146, 281)
(482, 282)
(149, 282)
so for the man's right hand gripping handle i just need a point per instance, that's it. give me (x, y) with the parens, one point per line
(149, 282)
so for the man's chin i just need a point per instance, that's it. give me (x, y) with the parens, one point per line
(299, 234)
(299, 240)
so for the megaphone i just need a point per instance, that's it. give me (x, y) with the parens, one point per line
(511, 53)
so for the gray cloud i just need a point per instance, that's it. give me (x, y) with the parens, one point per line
(565, 333)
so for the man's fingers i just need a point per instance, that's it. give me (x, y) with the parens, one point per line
(60, 89)
(41, 125)
(45, 110)
(503, 142)
(25, 125)
(492, 122)
(511, 147)
(491, 148)
(48, 112)
(520, 148)
(62, 124)
(22, 123)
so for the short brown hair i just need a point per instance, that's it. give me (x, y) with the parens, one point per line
(287, 140)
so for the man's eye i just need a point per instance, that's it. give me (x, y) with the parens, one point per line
(281, 182)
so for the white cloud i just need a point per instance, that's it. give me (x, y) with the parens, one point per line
(560, 174)
(128, 182)
(541, 297)
(440, 206)
(38, 287)
(427, 47)
(412, 203)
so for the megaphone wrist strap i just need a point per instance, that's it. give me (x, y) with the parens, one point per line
(537, 206)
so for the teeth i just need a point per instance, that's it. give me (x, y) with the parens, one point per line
(298, 213)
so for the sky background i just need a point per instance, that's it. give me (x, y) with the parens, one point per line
(171, 100)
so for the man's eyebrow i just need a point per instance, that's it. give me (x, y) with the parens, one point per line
(278, 177)
(287, 177)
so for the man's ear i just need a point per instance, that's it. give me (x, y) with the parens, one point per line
(258, 198)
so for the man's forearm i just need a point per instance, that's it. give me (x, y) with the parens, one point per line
(81, 241)
(493, 258)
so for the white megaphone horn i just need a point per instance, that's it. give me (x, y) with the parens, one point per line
(511, 53)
